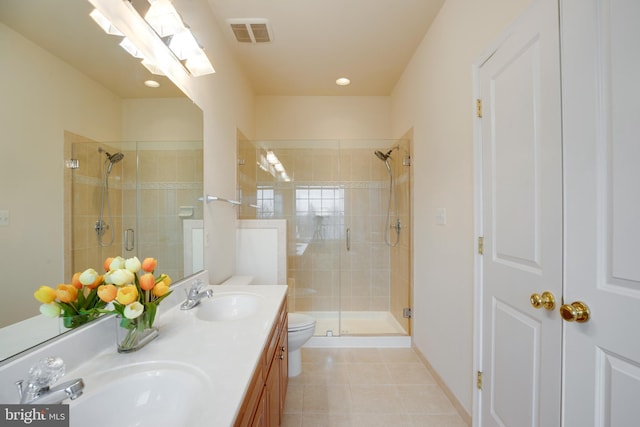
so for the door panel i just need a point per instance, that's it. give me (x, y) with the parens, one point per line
(522, 223)
(516, 337)
(601, 62)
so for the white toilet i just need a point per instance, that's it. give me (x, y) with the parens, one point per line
(301, 328)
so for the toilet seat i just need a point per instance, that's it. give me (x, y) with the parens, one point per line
(298, 321)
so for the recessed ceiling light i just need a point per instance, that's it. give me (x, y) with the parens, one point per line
(343, 81)
(151, 83)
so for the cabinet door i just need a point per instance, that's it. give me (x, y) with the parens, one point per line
(272, 393)
(283, 347)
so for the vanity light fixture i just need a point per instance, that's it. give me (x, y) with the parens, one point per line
(160, 38)
(343, 81)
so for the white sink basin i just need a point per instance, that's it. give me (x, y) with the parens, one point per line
(150, 394)
(228, 306)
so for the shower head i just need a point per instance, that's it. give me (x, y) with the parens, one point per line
(112, 158)
(115, 157)
(385, 158)
(382, 156)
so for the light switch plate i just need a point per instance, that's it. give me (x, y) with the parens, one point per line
(4, 218)
(441, 216)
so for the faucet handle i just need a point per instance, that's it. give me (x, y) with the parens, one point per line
(196, 286)
(46, 372)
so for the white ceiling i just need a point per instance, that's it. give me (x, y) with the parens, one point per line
(317, 41)
(314, 43)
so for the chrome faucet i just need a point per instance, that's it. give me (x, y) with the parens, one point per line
(195, 294)
(42, 376)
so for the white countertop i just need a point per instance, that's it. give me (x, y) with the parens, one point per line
(226, 352)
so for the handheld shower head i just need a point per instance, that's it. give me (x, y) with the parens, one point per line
(382, 156)
(113, 159)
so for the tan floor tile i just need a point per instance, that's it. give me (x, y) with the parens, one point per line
(410, 373)
(325, 355)
(380, 420)
(373, 398)
(424, 399)
(422, 420)
(293, 401)
(326, 420)
(326, 374)
(292, 420)
(332, 399)
(399, 355)
(364, 355)
(369, 373)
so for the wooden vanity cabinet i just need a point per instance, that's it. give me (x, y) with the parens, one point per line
(263, 405)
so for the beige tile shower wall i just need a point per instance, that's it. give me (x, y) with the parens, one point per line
(400, 293)
(167, 180)
(325, 277)
(86, 191)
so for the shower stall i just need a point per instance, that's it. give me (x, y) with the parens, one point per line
(130, 199)
(348, 227)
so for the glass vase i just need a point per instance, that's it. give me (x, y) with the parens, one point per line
(73, 321)
(133, 334)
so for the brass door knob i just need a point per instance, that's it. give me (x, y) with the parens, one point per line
(575, 312)
(546, 300)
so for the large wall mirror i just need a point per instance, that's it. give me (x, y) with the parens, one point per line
(69, 92)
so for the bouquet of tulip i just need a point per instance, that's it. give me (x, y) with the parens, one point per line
(129, 285)
(77, 303)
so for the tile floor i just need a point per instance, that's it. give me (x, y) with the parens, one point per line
(364, 387)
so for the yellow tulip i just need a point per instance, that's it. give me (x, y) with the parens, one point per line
(127, 294)
(45, 294)
(66, 293)
(166, 279)
(160, 289)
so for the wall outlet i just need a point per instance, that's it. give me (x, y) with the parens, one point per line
(4, 218)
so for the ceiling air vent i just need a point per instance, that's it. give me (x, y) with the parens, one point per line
(251, 30)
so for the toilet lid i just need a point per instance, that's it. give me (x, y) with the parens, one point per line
(299, 321)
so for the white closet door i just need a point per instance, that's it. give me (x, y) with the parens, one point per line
(522, 223)
(601, 91)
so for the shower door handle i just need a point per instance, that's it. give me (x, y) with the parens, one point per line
(348, 239)
(129, 239)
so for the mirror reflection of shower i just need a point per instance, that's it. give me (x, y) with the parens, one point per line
(393, 220)
(101, 226)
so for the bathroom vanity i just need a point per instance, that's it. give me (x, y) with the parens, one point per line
(222, 363)
(263, 404)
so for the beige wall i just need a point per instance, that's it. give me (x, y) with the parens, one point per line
(226, 99)
(322, 117)
(40, 98)
(434, 97)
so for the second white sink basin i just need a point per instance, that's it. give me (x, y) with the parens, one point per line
(228, 306)
(150, 394)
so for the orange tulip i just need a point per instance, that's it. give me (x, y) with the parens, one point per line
(107, 263)
(97, 282)
(149, 264)
(75, 280)
(127, 294)
(107, 293)
(147, 281)
(66, 293)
